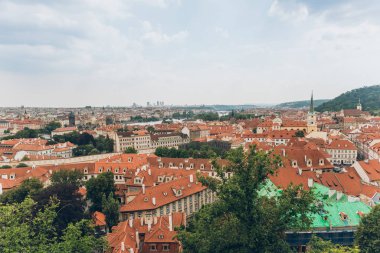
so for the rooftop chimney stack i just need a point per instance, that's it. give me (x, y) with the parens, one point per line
(149, 172)
(143, 188)
(130, 221)
(154, 201)
(122, 247)
(170, 222)
(310, 182)
(191, 178)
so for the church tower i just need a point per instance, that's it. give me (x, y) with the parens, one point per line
(359, 106)
(311, 117)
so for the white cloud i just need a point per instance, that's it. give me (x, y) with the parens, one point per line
(222, 32)
(156, 36)
(288, 10)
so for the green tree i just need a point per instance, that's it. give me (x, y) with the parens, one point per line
(130, 150)
(368, 233)
(79, 238)
(74, 177)
(21, 165)
(18, 195)
(243, 220)
(318, 245)
(51, 126)
(110, 208)
(5, 167)
(96, 187)
(23, 229)
(70, 208)
(299, 133)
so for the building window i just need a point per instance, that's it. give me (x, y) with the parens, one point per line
(165, 247)
(153, 247)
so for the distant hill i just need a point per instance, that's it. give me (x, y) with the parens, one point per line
(301, 104)
(369, 97)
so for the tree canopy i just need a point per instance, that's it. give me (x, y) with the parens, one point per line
(368, 233)
(24, 230)
(96, 187)
(242, 219)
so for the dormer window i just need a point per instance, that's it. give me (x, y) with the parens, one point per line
(170, 165)
(294, 164)
(108, 169)
(178, 193)
(117, 170)
(180, 165)
(309, 163)
(191, 166)
(137, 180)
(100, 170)
(321, 162)
(202, 166)
(124, 170)
(146, 199)
(161, 236)
(129, 159)
(161, 165)
(85, 171)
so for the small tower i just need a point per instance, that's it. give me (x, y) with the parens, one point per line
(359, 105)
(71, 119)
(311, 117)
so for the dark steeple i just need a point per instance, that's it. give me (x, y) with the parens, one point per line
(311, 103)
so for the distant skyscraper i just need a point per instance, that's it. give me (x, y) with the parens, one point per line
(71, 119)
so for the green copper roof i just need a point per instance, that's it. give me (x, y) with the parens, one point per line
(333, 208)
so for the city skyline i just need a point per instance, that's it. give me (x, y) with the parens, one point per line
(247, 52)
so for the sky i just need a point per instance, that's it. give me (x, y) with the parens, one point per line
(117, 52)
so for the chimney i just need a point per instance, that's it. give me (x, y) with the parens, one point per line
(170, 222)
(154, 201)
(149, 172)
(310, 182)
(299, 171)
(339, 195)
(130, 221)
(122, 247)
(141, 221)
(283, 152)
(191, 178)
(137, 239)
(143, 188)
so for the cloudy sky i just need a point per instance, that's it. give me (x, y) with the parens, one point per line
(116, 52)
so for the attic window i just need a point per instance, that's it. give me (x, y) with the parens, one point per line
(294, 163)
(100, 170)
(161, 236)
(146, 199)
(85, 171)
(180, 165)
(343, 216)
(137, 180)
(165, 193)
(191, 166)
(161, 165)
(309, 163)
(170, 165)
(129, 160)
(179, 193)
(117, 170)
(202, 166)
(124, 170)
(321, 162)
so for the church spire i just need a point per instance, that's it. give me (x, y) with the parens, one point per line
(312, 103)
